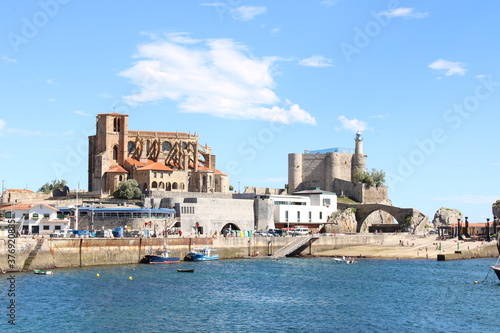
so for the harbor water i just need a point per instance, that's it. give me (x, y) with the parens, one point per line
(261, 295)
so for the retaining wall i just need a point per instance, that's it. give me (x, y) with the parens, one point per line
(71, 252)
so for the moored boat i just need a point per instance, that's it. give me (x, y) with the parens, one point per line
(203, 254)
(496, 269)
(161, 257)
(43, 272)
(185, 270)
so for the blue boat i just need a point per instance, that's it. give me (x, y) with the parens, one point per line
(161, 257)
(202, 255)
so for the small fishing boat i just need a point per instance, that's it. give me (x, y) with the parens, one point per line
(344, 260)
(496, 267)
(43, 272)
(203, 254)
(185, 270)
(161, 257)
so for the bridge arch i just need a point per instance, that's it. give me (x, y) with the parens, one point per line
(417, 219)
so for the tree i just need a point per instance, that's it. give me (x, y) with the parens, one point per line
(375, 177)
(55, 185)
(128, 189)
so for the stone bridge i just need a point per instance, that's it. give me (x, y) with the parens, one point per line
(417, 223)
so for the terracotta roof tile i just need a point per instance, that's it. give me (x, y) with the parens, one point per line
(117, 169)
(155, 166)
(25, 207)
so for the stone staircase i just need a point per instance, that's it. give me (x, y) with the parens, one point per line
(297, 244)
(33, 254)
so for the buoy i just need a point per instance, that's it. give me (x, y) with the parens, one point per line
(130, 278)
(475, 282)
(97, 275)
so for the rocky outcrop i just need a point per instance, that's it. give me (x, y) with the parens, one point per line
(447, 216)
(342, 221)
(495, 208)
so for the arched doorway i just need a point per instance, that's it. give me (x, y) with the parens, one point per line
(229, 229)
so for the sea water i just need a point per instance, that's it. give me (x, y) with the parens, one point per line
(261, 295)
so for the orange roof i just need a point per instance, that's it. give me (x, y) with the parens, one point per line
(156, 166)
(25, 207)
(17, 190)
(112, 114)
(137, 163)
(182, 134)
(462, 224)
(117, 169)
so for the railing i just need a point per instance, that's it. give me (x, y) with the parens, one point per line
(294, 246)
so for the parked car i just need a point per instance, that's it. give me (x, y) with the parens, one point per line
(277, 232)
(299, 231)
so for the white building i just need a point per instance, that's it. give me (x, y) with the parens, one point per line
(310, 208)
(35, 218)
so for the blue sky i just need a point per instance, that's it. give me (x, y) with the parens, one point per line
(258, 80)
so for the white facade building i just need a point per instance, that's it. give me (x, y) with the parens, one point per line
(35, 218)
(310, 208)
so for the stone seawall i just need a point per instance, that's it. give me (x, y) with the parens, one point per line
(70, 252)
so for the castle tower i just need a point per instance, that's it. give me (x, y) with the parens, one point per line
(294, 172)
(107, 148)
(358, 159)
(359, 143)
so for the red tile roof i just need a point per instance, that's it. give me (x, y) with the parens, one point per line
(155, 166)
(24, 207)
(18, 190)
(117, 169)
(112, 114)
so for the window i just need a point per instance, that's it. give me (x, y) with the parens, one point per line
(115, 153)
(310, 216)
(326, 202)
(46, 215)
(321, 216)
(298, 216)
(166, 146)
(10, 215)
(131, 146)
(46, 227)
(286, 216)
(57, 227)
(35, 216)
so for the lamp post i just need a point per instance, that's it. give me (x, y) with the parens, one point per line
(488, 238)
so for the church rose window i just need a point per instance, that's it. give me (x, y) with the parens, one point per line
(166, 146)
(131, 147)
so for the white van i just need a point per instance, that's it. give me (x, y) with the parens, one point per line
(300, 231)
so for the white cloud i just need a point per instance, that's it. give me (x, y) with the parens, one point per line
(275, 31)
(3, 125)
(479, 76)
(217, 77)
(403, 12)
(352, 125)
(51, 81)
(450, 68)
(51, 100)
(316, 61)
(381, 116)
(81, 113)
(8, 59)
(329, 3)
(247, 13)
(5, 130)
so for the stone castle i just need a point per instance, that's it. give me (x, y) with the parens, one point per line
(333, 170)
(158, 161)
